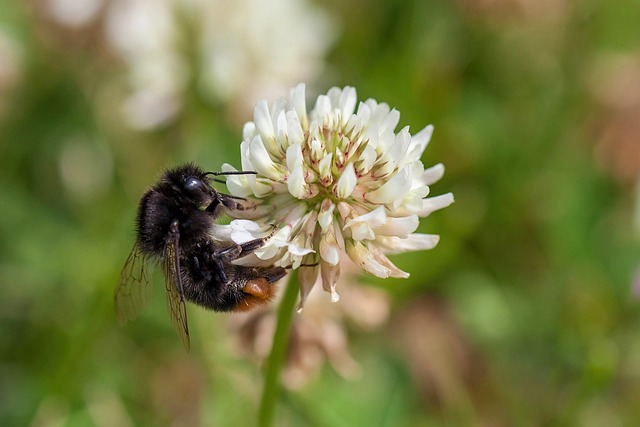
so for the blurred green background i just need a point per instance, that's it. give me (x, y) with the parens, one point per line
(525, 314)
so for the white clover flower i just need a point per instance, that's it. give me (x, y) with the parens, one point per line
(332, 180)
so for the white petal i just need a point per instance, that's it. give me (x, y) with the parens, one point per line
(299, 103)
(307, 277)
(324, 168)
(348, 99)
(325, 217)
(365, 259)
(400, 227)
(419, 143)
(414, 242)
(329, 251)
(294, 156)
(375, 218)
(330, 275)
(238, 185)
(294, 132)
(261, 160)
(249, 130)
(432, 204)
(317, 150)
(432, 175)
(367, 159)
(347, 182)
(220, 232)
(393, 270)
(262, 120)
(322, 107)
(295, 182)
(393, 190)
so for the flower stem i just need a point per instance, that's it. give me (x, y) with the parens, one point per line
(275, 362)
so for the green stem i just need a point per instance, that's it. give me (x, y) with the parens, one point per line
(275, 362)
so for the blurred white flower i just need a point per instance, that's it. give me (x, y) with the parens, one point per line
(244, 50)
(333, 180)
(318, 336)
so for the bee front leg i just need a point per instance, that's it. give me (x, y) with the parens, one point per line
(235, 203)
(234, 252)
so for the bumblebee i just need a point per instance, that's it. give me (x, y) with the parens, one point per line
(175, 228)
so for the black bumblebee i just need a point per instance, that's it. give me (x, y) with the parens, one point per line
(174, 225)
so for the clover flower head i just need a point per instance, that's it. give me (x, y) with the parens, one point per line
(335, 179)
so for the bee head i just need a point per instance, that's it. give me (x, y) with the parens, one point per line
(199, 191)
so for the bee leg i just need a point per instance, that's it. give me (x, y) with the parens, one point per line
(235, 203)
(274, 274)
(197, 269)
(234, 252)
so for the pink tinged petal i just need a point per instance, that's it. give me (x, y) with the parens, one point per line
(330, 275)
(400, 227)
(361, 255)
(414, 242)
(394, 190)
(261, 160)
(262, 120)
(432, 175)
(345, 210)
(346, 183)
(299, 104)
(331, 244)
(393, 270)
(317, 150)
(310, 223)
(307, 277)
(329, 250)
(432, 204)
(325, 217)
(324, 168)
(339, 159)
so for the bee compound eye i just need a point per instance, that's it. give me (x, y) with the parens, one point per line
(195, 186)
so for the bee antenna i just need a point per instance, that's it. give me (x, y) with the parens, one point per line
(232, 173)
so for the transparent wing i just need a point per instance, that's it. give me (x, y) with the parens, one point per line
(134, 289)
(175, 295)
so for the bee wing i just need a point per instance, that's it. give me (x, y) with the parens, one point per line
(175, 295)
(134, 289)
